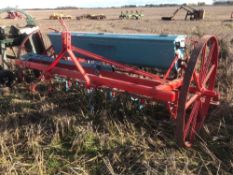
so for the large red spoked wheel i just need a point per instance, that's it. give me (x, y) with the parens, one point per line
(197, 90)
(32, 43)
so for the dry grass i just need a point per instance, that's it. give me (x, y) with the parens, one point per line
(63, 134)
(41, 135)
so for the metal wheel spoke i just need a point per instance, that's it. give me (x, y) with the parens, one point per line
(208, 76)
(193, 129)
(192, 117)
(192, 100)
(208, 61)
(205, 106)
(203, 111)
(203, 60)
(197, 80)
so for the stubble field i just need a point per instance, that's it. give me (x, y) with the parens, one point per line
(62, 134)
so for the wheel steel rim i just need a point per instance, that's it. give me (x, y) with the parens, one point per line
(193, 103)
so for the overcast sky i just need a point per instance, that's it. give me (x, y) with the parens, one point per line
(87, 3)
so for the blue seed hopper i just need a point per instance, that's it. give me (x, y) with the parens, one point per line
(133, 49)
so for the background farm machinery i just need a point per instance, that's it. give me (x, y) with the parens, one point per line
(56, 16)
(11, 37)
(191, 13)
(131, 15)
(13, 15)
(91, 16)
(148, 67)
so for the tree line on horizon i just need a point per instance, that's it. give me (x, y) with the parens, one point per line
(223, 2)
(216, 2)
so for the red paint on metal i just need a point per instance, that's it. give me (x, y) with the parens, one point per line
(175, 93)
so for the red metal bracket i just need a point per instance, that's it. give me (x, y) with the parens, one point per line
(67, 49)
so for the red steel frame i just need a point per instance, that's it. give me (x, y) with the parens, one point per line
(145, 84)
(135, 81)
